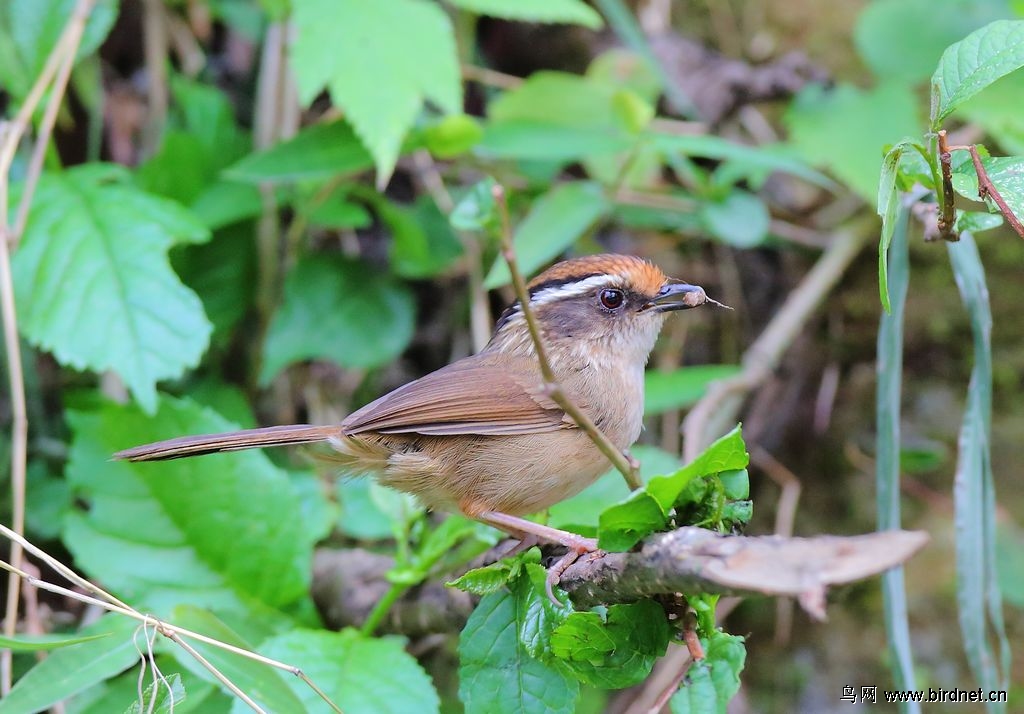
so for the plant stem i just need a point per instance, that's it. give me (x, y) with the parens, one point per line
(381, 608)
(623, 461)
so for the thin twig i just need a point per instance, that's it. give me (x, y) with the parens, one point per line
(623, 461)
(155, 49)
(947, 215)
(986, 189)
(490, 77)
(10, 137)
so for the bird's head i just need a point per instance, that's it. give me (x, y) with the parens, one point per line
(604, 306)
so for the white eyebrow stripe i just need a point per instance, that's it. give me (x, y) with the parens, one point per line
(567, 290)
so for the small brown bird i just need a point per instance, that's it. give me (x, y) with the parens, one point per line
(481, 436)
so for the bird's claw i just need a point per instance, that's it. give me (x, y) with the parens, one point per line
(586, 546)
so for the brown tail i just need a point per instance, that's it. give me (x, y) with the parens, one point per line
(230, 441)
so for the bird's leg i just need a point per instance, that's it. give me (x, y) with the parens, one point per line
(532, 533)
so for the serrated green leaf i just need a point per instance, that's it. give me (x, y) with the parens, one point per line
(681, 388)
(93, 283)
(225, 202)
(43, 643)
(736, 483)
(740, 219)
(222, 531)
(362, 675)
(881, 33)
(867, 119)
(255, 678)
(338, 310)
(562, 11)
(1006, 174)
(615, 651)
(317, 152)
(496, 673)
(974, 63)
(556, 221)
(712, 682)
(625, 524)
(380, 62)
(995, 110)
(538, 617)
(726, 454)
(73, 669)
(477, 209)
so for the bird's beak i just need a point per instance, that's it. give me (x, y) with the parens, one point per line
(677, 296)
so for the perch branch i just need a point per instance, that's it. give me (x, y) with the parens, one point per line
(347, 583)
(695, 560)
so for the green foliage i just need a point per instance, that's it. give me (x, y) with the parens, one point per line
(72, 669)
(320, 151)
(380, 62)
(711, 682)
(496, 670)
(225, 531)
(43, 643)
(647, 510)
(338, 310)
(95, 242)
(344, 663)
(974, 63)
(1006, 174)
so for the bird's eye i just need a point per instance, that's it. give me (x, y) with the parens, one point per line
(612, 298)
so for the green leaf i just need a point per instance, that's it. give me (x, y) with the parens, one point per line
(452, 136)
(562, 11)
(740, 219)
(887, 204)
(223, 274)
(867, 120)
(556, 116)
(974, 499)
(29, 30)
(380, 62)
(422, 241)
(726, 454)
(974, 63)
(255, 678)
(497, 675)
(977, 221)
(995, 110)
(486, 580)
(317, 152)
(362, 675)
(359, 516)
(882, 40)
(581, 512)
(712, 682)
(222, 531)
(477, 210)
(681, 387)
(73, 669)
(556, 221)
(1006, 174)
(43, 643)
(625, 524)
(756, 160)
(94, 285)
(615, 651)
(225, 202)
(160, 697)
(338, 310)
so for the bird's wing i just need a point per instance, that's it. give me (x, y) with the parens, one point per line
(484, 394)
